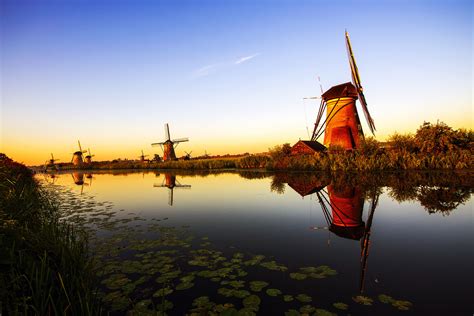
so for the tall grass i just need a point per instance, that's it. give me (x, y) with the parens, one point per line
(45, 267)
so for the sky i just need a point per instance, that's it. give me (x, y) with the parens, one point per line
(230, 75)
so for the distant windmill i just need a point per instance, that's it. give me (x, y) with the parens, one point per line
(142, 157)
(77, 156)
(170, 183)
(188, 155)
(50, 163)
(168, 145)
(89, 157)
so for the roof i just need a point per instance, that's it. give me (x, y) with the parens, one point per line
(314, 145)
(343, 90)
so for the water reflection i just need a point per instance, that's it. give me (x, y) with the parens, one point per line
(342, 206)
(234, 217)
(171, 183)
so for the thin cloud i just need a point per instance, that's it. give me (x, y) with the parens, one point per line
(206, 70)
(211, 68)
(246, 58)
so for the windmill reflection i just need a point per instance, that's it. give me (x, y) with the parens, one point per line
(171, 183)
(78, 178)
(343, 207)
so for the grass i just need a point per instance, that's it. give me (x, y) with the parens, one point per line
(433, 146)
(45, 267)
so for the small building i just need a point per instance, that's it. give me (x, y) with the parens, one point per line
(307, 147)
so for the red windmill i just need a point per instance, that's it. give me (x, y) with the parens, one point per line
(341, 125)
(168, 145)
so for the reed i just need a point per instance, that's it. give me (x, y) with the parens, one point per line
(45, 267)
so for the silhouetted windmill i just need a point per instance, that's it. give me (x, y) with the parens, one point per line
(188, 155)
(168, 145)
(77, 156)
(170, 183)
(51, 163)
(89, 157)
(142, 157)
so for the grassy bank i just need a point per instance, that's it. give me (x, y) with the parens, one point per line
(432, 147)
(45, 268)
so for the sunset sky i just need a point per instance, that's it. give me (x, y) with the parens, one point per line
(230, 75)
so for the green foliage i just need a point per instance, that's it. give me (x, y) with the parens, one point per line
(46, 267)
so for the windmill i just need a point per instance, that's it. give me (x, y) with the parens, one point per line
(341, 124)
(77, 156)
(187, 156)
(88, 159)
(142, 157)
(168, 145)
(171, 183)
(51, 163)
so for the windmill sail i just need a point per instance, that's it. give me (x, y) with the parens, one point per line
(358, 85)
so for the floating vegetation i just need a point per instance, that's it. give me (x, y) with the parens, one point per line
(303, 298)
(272, 265)
(399, 304)
(307, 309)
(341, 306)
(323, 312)
(364, 300)
(257, 286)
(144, 269)
(252, 302)
(273, 292)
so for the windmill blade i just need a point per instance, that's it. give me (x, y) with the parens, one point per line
(180, 140)
(158, 144)
(356, 80)
(167, 131)
(80, 148)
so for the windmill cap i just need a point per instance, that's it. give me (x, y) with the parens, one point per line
(340, 91)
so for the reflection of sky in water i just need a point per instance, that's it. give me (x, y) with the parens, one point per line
(426, 258)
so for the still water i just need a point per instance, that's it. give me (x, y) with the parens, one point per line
(272, 244)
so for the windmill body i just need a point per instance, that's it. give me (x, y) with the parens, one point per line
(169, 145)
(77, 156)
(142, 157)
(338, 118)
(343, 126)
(88, 158)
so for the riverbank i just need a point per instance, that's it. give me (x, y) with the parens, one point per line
(432, 147)
(45, 266)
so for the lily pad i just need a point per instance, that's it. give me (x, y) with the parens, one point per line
(163, 292)
(402, 305)
(164, 306)
(273, 292)
(252, 302)
(323, 312)
(292, 312)
(184, 286)
(257, 286)
(303, 298)
(288, 298)
(272, 265)
(298, 276)
(307, 309)
(364, 300)
(386, 299)
(236, 284)
(340, 306)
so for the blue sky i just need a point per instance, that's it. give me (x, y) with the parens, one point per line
(230, 75)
